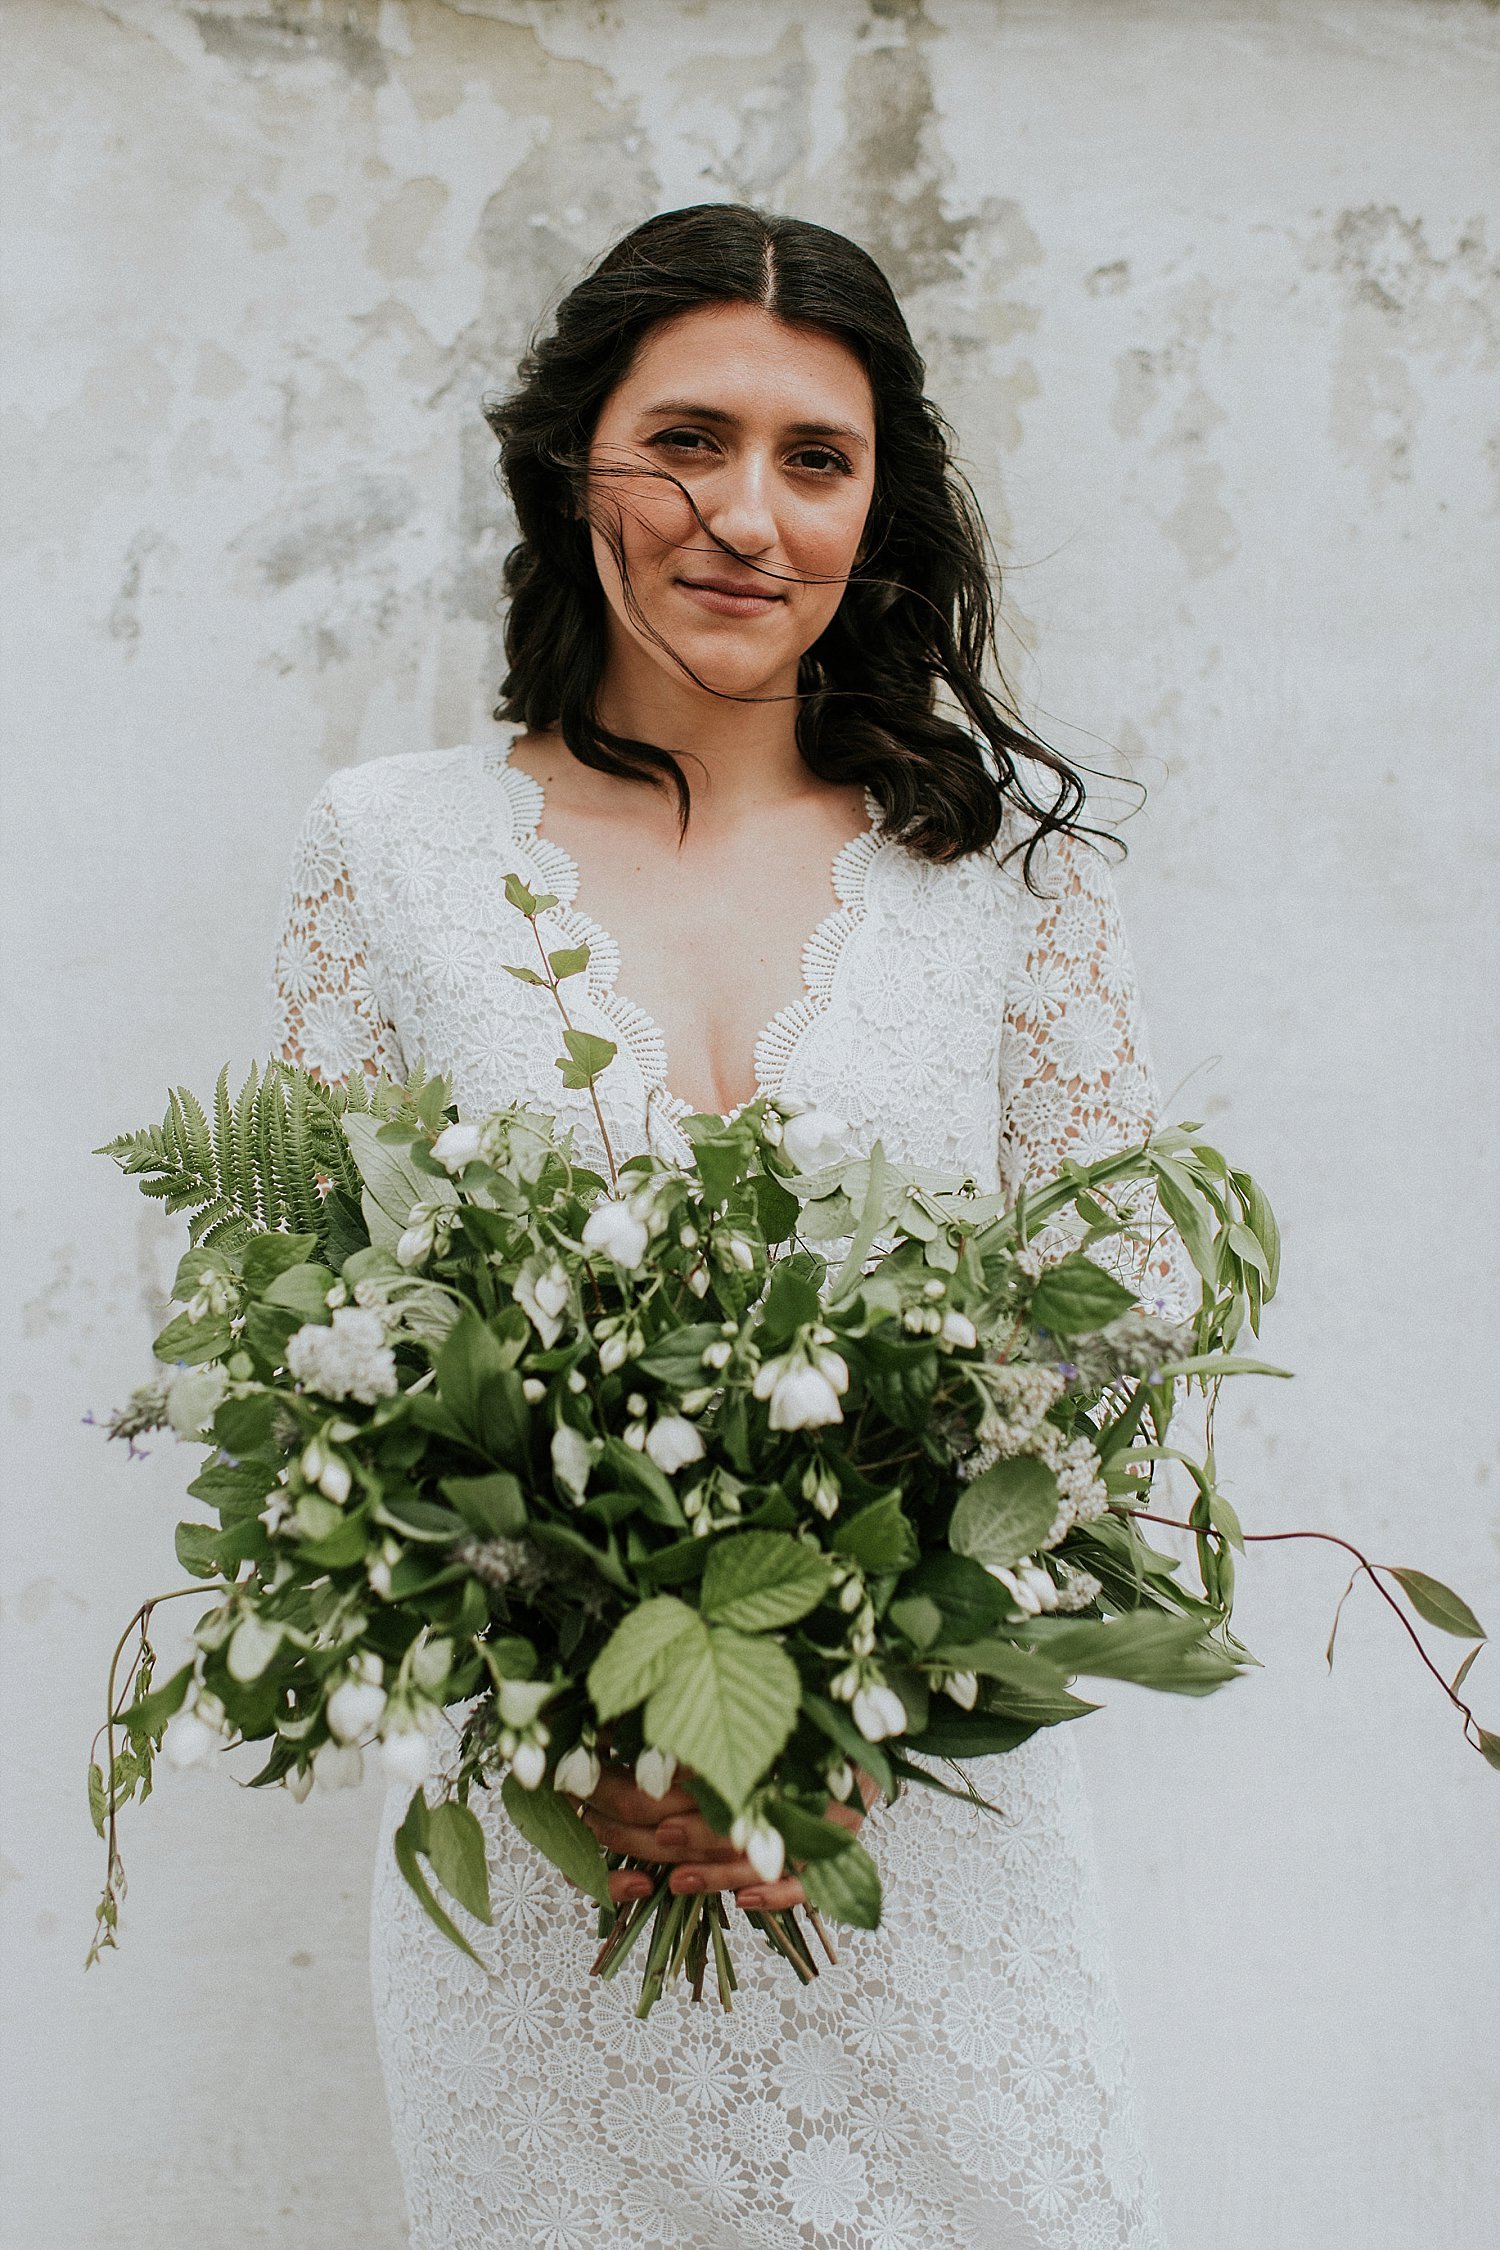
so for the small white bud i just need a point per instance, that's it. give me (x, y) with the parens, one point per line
(765, 1848)
(298, 1784)
(190, 1741)
(529, 1765)
(654, 1772)
(577, 1772)
(697, 1281)
(431, 1663)
(533, 1390)
(457, 1146)
(718, 1355)
(840, 1780)
(613, 1353)
(958, 1331)
(521, 1700)
(963, 1687)
(334, 1481)
(688, 1237)
(674, 1444)
(614, 1228)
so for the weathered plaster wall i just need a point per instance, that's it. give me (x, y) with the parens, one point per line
(1208, 291)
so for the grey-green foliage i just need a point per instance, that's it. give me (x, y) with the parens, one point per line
(263, 1159)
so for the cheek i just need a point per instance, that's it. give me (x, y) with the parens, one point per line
(644, 514)
(823, 550)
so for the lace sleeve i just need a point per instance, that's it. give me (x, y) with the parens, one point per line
(1075, 1073)
(326, 1011)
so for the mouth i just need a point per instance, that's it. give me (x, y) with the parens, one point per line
(731, 597)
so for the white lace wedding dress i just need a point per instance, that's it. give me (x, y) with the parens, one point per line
(960, 2081)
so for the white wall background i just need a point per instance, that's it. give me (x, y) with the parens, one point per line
(1206, 288)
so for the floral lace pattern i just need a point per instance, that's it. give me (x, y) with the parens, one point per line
(960, 2081)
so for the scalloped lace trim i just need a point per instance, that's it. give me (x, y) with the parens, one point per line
(637, 1031)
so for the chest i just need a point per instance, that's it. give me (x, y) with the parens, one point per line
(712, 932)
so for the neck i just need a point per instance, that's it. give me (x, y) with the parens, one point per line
(736, 754)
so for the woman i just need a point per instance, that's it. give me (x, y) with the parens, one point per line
(747, 746)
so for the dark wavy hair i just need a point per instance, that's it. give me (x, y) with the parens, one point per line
(917, 619)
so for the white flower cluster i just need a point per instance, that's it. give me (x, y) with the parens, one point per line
(804, 1385)
(350, 1359)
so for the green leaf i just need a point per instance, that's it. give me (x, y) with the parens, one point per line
(725, 1705)
(951, 1733)
(757, 1580)
(846, 1888)
(568, 961)
(392, 1183)
(676, 1357)
(98, 1802)
(918, 1617)
(1166, 1653)
(1489, 1745)
(836, 1721)
(1005, 1514)
(1465, 1668)
(523, 975)
(302, 1289)
(776, 1210)
(422, 1520)
(526, 901)
(1006, 1661)
(791, 1303)
(901, 1377)
(970, 1600)
(635, 1658)
(878, 1537)
(1077, 1298)
(197, 1546)
(193, 1341)
(806, 1835)
(455, 1846)
(492, 1505)
(243, 1425)
(1438, 1603)
(586, 1057)
(267, 1255)
(549, 1822)
(151, 1713)
(1189, 1213)
(409, 1839)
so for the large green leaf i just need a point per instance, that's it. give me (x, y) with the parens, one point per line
(1168, 1653)
(1005, 1514)
(1438, 1603)
(808, 1836)
(549, 1821)
(725, 1706)
(392, 1183)
(970, 1600)
(455, 1846)
(757, 1580)
(878, 1537)
(846, 1888)
(410, 1839)
(1076, 1297)
(635, 1657)
(492, 1504)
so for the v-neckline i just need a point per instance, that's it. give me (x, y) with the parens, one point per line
(638, 1031)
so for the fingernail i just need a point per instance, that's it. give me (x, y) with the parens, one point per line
(685, 1881)
(753, 1900)
(671, 1833)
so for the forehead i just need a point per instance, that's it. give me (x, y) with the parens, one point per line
(749, 363)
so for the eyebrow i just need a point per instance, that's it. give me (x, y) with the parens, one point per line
(694, 410)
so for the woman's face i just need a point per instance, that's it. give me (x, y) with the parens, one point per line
(771, 430)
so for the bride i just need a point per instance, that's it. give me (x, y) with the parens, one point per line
(746, 744)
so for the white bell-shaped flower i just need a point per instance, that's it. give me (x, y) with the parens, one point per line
(338, 1765)
(529, 1765)
(878, 1711)
(190, 1741)
(613, 1228)
(765, 1848)
(813, 1138)
(458, 1145)
(354, 1710)
(577, 1772)
(673, 1443)
(406, 1756)
(655, 1771)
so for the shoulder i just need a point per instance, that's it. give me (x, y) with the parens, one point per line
(389, 789)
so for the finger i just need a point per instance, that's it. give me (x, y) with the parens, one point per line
(692, 1839)
(712, 1875)
(772, 1898)
(617, 1796)
(626, 1885)
(621, 1836)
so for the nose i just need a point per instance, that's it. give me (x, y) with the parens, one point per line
(740, 506)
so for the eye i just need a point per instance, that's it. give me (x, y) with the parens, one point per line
(823, 461)
(684, 441)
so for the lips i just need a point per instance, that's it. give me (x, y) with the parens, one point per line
(730, 597)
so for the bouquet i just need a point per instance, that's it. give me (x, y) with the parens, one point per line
(785, 1467)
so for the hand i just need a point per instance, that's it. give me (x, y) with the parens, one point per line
(670, 1832)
